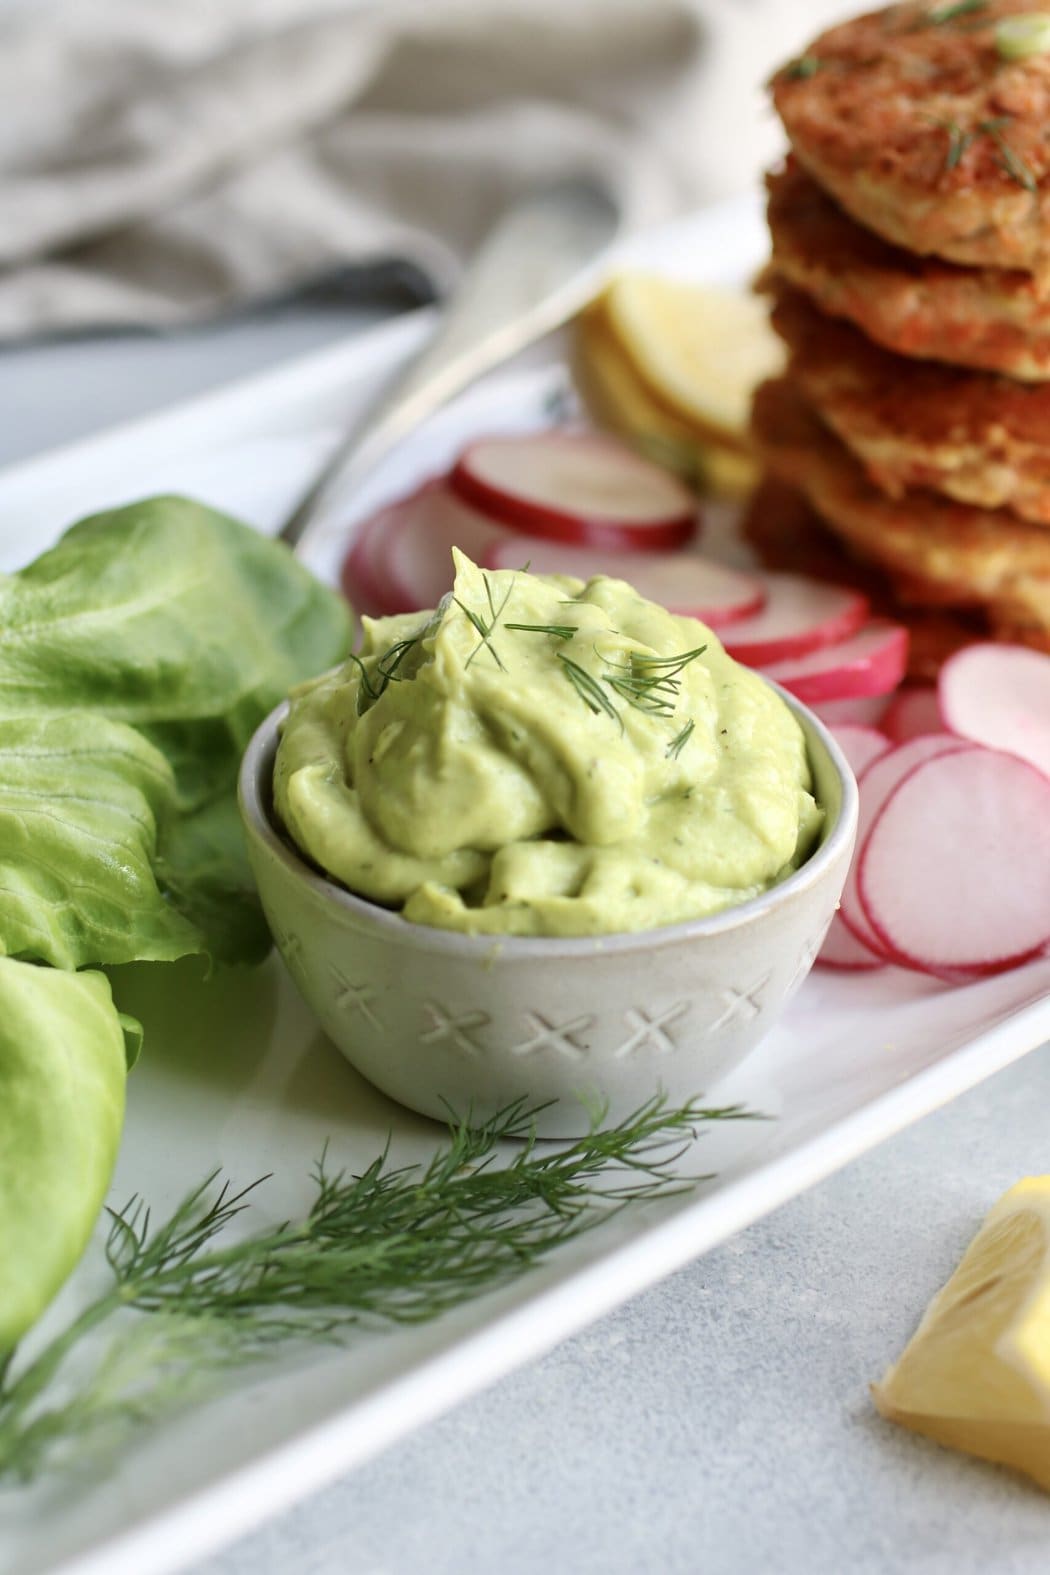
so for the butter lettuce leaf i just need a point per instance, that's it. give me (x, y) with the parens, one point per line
(81, 798)
(187, 627)
(202, 864)
(175, 618)
(63, 1054)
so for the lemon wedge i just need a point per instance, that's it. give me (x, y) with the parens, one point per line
(976, 1373)
(702, 352)
(620, 400)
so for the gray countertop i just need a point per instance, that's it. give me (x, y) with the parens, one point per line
(719, 1422)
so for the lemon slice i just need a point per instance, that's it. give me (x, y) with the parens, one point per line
(976, 1373)
(620, 400)
(701, 351)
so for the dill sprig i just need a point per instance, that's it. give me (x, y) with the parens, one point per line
(559, 631)
(1009, 160)
(678, 743)
(391, 1245)
(386, 671)
(958, 140)
(589, 689)
(485, 629)
(651, 683)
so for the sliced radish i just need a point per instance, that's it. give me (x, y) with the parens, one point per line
(407, 547)
(575, 487)
(842, 950)
(912, 713)
(999, 695)
(860, 745)
(861, 711)
(869, 663)
(954, 875)
(360, 577)
(800, 616)
(679, 581)
(876, 783)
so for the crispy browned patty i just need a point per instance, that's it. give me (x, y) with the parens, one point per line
(993, 318)
(944, 553)
(913, 121)
(975, 436)
(788, 534)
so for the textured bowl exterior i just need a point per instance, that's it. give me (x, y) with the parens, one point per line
(437, 1019)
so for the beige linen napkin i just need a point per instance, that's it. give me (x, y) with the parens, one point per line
(164, 162)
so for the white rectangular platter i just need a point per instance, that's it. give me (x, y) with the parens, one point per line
(236, 1074)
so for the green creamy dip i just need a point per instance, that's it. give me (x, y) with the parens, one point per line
(608, 768)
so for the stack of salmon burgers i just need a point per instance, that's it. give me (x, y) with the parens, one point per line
(911, 284)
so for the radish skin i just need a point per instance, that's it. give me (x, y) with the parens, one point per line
(875, 783)
(680, 581)
(581, 487)
(845, 953)
(409, 546)
(912, 713)
(860, 745)
(954, 874)
(872, 662)
(800, 615)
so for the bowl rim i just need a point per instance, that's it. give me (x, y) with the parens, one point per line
(259, 757)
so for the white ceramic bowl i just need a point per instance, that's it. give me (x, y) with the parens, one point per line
(438, 1019)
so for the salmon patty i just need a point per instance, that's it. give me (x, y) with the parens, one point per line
(939, 551)
(992, 318)
(974, 436)
(912, 119)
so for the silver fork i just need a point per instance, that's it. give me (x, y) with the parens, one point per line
(538, 265)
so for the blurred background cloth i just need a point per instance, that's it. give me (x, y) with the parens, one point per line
(165, 161)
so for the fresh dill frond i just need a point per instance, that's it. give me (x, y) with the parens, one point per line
(958, 140)
(385, 671)
(651, 683)
(191, 1302)
(589, 689)
(388, 664)
(678, 743)
(646, 692)
(559, 631)
(485, 629)
(1009, 160)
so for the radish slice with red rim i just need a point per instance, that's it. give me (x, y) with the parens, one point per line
(575, 487)
(860, 711)
(409, 546)
(679, 581)
(360, 577)
(912, 713)
(869, 663)
(999, 695)
(954, 875)
(800, 615)
(875, 783)
(860, 745)
(842, 950)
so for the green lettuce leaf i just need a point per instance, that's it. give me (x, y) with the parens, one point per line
(202, 863)
(62, 1075)
(80, 802)
(190, 627)
(175, 618)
